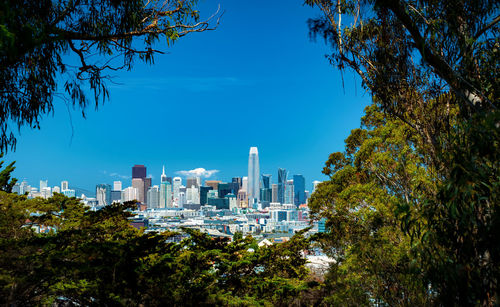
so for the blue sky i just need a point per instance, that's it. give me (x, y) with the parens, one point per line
(258, 80)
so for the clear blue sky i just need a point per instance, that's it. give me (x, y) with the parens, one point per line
(258, 80)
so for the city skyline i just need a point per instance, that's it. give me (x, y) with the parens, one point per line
(213, 174)
(209, 92)
(248, 191)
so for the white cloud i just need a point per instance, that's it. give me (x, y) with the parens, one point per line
(198, 172)
(118, 175)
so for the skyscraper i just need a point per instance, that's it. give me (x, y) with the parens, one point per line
(43, 184)
(204, 194)
(274, 196)
(147, 185)
(129, 194)
(165, 191)
(237, 180)
(266, 192)
(138, 171)
(266, 181)
(281, 185)
(117, 185)
(154, 197)
(289, 192)
(253, 176)
(299, 190)
(103, 194)
(227, 188)
(177, 184)
(192, 181)
(163, 176)
(64, 185)
(138, 184)
(244, 183)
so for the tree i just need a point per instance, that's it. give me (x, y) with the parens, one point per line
(373, 256)
(83, 257)
(434, 66)
(6, 183)
(37, 37)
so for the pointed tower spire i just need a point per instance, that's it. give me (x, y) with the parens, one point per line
(163, 176)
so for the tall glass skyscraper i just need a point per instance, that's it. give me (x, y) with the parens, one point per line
(281, 185)
(253, 176)
(299, 190)
(266, 192)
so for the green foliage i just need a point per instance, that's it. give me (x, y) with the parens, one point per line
(372, 254)
(432, 69)
(6, 183)
(37, 36)
(96, 258)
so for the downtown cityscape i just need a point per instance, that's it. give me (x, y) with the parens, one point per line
(249, 153)
(253, 204)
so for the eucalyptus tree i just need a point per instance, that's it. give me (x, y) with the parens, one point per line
(433, 65)
(65, 48)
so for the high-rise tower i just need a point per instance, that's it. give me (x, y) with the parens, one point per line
(299, 190)
(163, 176)
(253, 176)
(165, 191)
(281, 185)
(138, 171)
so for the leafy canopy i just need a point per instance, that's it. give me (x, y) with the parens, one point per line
(433, 66)
(39, 39)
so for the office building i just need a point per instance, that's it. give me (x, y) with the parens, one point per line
(147, 185)
(241, 199)
(274, 193)
(153, 197)
(138, 171)
(233, 204)
(281, 185)
(192, 195)
(43, 184)
(182, 198)
(299, 190)
(117, 185)
(138, 183)
(192, 182)
(204, 194)
(219, 203)
(266, 191)
(289, 194)
(55, 189)
(227, 188)
(103, 194)
(64, 185)
(165, 200)
(212, 183)
(212, 194)
(238, 181)
(130, 194)
(244, 183)
(176, 185)
(163, 177)
(116, 196)
(253, 176)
